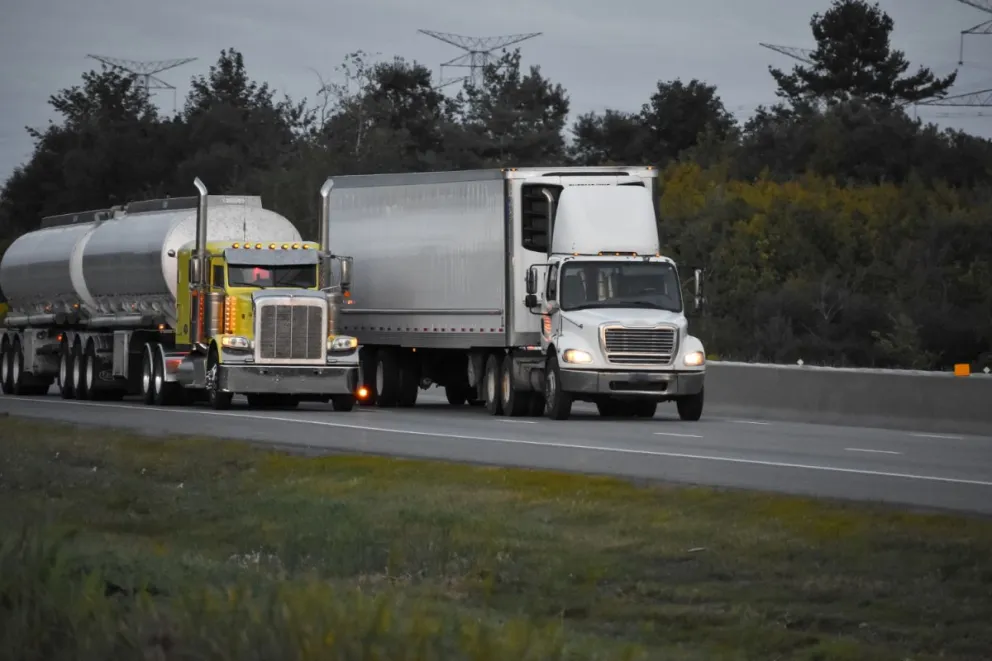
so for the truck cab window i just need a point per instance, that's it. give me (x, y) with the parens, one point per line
(620, 285)
(552, 289)
(218, 276)
(537, 217)
(303, 277)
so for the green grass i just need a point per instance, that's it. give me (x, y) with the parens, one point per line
(127, 547)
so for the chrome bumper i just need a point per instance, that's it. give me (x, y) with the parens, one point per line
(283, 380)
(662, 385)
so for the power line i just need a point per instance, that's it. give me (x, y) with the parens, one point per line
(801, 54)
(478, 53)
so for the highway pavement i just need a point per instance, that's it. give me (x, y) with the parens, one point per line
(924, 469)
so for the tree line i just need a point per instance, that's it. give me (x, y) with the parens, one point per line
(834, 227)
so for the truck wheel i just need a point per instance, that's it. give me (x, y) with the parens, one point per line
(557, 403)
(343, 403)
(17, 369)
(79, 372)
(148, 375)
(90, 370)
(166, 393)
(690, 407)
(492, 384)
(387, 379)
(456, 395)
(5, 363)
(65, 371)
(515, 402)
(219, 401)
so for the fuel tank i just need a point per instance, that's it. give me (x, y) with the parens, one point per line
(122, 263)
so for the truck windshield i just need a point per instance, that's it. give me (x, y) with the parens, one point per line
(584, 285)
(301, 277)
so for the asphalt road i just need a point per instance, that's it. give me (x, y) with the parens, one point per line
(925, 469)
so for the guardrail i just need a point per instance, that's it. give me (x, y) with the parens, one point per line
(931, 402)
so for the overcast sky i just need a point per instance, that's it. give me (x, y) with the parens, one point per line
(606, 54)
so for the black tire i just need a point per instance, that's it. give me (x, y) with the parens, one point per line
(515, 402)
(167, 393)
(6, 362)
(343, 403)
(65, 371)
(79, 389)
(690, 407)
(456, 395)
(557, 404)
(491, 384)
(91, 368)
(387, 379)
(18, 387)
(148, 375)
(218, 401)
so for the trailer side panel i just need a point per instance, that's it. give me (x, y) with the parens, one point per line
(431, 258)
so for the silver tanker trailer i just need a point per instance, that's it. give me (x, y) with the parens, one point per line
(176, 299)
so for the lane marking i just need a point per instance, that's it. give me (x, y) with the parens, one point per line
(518, 422)
(750, 422)
(949, 437)
(512, 441)
(670, 433)
(869, 450)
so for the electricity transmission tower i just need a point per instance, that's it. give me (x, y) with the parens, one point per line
(980, 29)
(144, 72)
(478, 53)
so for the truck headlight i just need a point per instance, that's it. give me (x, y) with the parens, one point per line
(576, 356)
(694, 359)
(236, 342)
(342, 343)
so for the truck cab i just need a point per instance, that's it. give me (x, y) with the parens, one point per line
(264, 316)
(613, 324)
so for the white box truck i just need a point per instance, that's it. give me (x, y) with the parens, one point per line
(525, 289)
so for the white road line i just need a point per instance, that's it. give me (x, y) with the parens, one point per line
(949, 437)
(750, 422)
(518, 422)
(513, 441)
(669, 433)
(869, 450)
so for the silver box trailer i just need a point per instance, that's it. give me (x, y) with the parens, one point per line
(442, 294)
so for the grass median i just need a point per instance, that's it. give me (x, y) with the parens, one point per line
(130, 547)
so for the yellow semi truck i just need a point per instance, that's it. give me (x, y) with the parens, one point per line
(177, 300)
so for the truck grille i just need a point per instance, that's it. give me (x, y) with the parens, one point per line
(639, 345)
(291, 332)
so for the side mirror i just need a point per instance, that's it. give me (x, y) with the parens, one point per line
(531, 282)
(530, 300)
(697, 278)
(346, 266)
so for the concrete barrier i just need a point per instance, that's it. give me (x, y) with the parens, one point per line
(931, 402)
